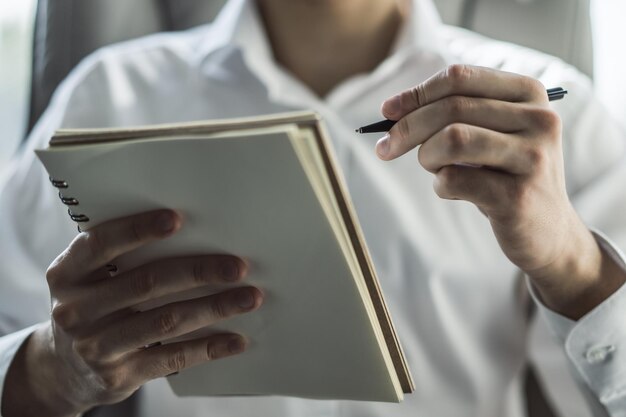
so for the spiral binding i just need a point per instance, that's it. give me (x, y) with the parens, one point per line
(58, 183)
(69, 201)
(78, 218)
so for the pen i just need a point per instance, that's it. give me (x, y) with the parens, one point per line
(556, 93)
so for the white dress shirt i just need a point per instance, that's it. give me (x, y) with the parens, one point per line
(456, 300)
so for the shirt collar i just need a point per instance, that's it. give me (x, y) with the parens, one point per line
(239, 27)
(239, 24)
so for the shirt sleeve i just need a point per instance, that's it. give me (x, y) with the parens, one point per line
(560, 325)
(595, 165)
(9, 345)
(596, 344)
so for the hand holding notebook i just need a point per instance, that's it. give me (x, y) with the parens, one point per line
(104, 348)
(266, 190)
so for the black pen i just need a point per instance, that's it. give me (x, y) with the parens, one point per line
(556, 93)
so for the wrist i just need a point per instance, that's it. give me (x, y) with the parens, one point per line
(581, 278)
(34, 386)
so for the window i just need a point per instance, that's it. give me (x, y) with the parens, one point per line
(16, 30)
(609, 58)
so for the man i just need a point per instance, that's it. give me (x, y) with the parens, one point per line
(449, 271)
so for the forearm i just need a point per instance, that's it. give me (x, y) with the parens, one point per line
(32, 386)
(584, 277)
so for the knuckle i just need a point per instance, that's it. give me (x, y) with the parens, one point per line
(404, 129)
(422, 158)
(534, 87)
(53, 273)
(166, 322)
(457, 105)
(89, 349)
(214, 351)
(536, 156)
(218, 307)
(200, 272)
(176, 360)
(458, 74)
(65, 316)
(417, 96)
(444, 182)
(547, 120)
(456, 139)
(447, 176)
(439, 188)
(82, 347)
(94, 244)
(142, 283)
(112, 380)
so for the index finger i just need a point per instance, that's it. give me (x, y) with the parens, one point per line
(465, 80)
(98, 246)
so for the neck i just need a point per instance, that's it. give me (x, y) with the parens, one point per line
(323, 42)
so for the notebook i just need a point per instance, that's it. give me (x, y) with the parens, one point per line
(266, 189)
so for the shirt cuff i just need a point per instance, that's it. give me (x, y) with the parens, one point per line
(9, 345)
(596, 344)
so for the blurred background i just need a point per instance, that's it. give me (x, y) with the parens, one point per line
(41, 40)
(16, 32)
(606, 62)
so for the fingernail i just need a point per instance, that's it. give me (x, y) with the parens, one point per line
(382, 146)
(245, 299)
(229, 270)
(236, 345)
(392, 106)
(165, 222)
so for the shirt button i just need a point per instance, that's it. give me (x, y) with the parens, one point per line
(599, 354)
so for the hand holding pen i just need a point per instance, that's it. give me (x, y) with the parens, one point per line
(554, 94)
(490, 137)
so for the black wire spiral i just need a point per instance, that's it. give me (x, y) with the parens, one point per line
(69, 201)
